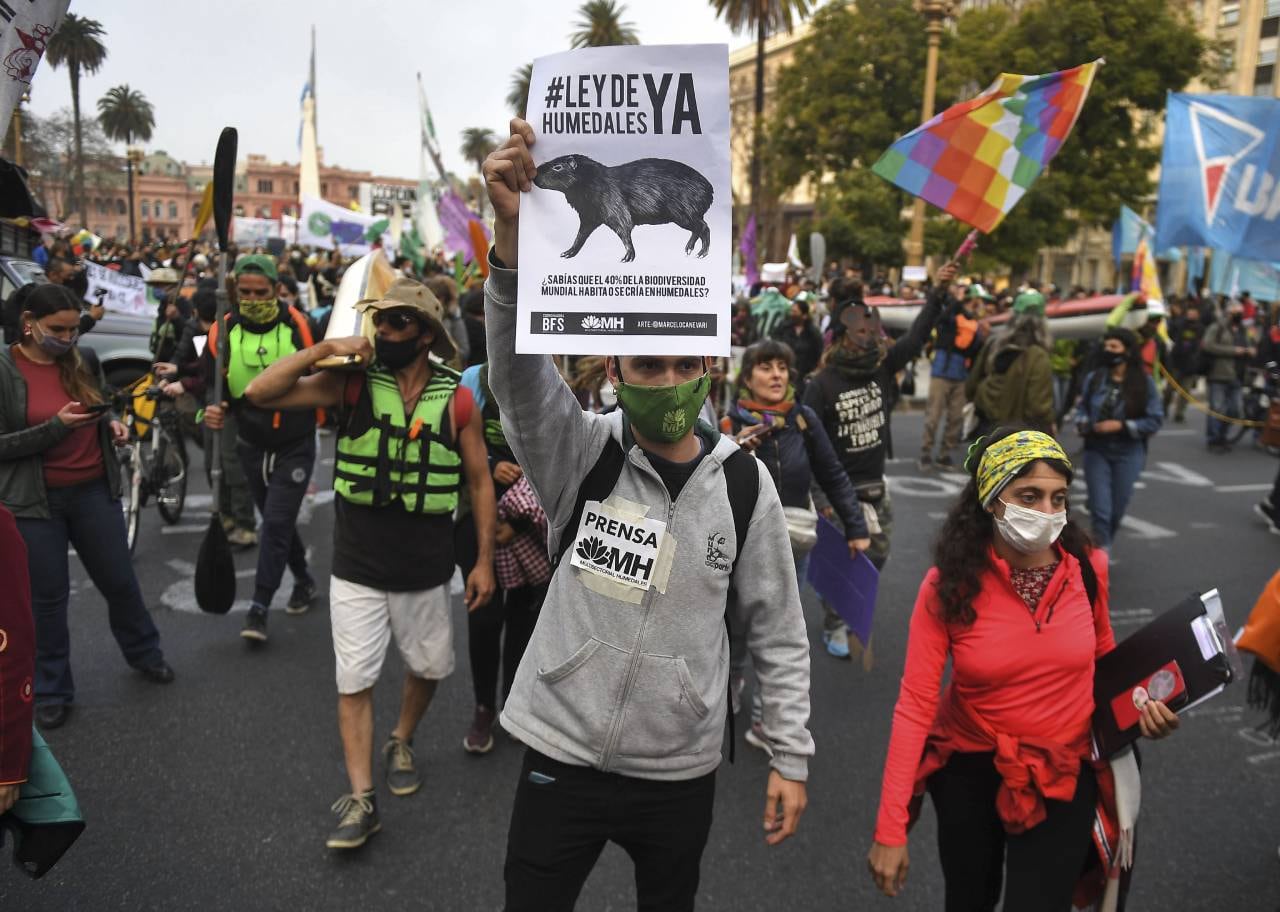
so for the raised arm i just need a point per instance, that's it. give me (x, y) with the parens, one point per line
(288, 383)
(911, 344)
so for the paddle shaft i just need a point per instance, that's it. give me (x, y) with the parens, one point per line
(220, 363)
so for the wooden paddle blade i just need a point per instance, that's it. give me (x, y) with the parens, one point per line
(215, 570)
(224, 183)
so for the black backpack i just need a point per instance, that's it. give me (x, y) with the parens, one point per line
(742, 480)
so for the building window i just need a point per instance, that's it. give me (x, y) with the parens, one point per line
(195, 209)
(146, 209)
(1271, 27)
(173, 209)
(1271, 9)
(264, 212)
(1262, 77)
(121, 208)
(265, 185)
(1229, 15)
(324, 189)
(295, 188)
(240, 211)
(353, 191)
(1266, 56)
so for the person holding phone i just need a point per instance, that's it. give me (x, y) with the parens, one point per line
(61, 480)
(1017, 602)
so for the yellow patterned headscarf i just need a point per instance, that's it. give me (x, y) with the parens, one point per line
(1005, 458)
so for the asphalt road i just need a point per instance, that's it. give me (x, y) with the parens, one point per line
(214, 793)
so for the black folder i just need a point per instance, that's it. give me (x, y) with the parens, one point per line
(1171, 637)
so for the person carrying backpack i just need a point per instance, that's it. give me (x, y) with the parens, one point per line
(665, 535)
(1012, 380)
(1017, 602)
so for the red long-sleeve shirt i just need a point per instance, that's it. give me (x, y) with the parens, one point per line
(1020, 682)
(17, 654)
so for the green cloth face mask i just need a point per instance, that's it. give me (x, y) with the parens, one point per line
(664, 413)
(258, 311)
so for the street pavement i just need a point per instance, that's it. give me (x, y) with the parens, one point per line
(214, 792)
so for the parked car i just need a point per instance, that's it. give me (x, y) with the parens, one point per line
(122, 342)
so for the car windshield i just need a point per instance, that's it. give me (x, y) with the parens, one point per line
(27, 271)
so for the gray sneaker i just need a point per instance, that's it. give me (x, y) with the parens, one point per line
(357, 821)
(402, 778)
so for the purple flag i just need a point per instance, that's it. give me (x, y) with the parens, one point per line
(747, 247)
(454, 218)
(849, 584)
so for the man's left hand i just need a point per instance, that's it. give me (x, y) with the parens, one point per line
(119, 433)
(480, 586)
(784, 802)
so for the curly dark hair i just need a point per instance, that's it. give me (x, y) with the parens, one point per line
(961, 551)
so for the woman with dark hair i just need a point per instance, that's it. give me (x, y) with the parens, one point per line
(61, 480)
(789, 439)
(1017, 601)
(1119, 410)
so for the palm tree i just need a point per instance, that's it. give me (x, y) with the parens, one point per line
(765, 17)
(126, 115)
(477, 143)
(601, 25)
(518, 97)
(76, 43)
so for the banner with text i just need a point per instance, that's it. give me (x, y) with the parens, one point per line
(625, 239)
(253, 232)
(327, 225)
(116, 291)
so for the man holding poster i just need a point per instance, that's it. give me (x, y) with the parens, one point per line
(663, 534)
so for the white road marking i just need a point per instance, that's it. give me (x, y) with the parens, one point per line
(1243, 488)
(1263, 758)
(1253, 736)
(912, 486)
(1141, 528)
(1132, 613)
(184, 529)
(1174, 473)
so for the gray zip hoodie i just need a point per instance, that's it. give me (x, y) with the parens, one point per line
(623, 679)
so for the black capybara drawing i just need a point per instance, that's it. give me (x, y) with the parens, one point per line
(648, 191)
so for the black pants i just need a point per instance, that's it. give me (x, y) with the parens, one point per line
(498, 633)
(1274, 499)
(564, 815)
(1038, 868)
(278, 482)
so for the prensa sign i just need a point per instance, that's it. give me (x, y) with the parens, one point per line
(620, 548)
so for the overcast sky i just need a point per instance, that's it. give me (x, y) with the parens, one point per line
(243, 63)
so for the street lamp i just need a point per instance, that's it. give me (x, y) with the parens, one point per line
(935, 12)
(133, 156)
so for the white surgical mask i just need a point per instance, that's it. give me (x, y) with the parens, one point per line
(1029, 531)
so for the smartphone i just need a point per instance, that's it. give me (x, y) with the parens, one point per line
(97, 409)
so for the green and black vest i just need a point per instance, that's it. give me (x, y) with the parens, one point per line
(250, 353)
(413, 461)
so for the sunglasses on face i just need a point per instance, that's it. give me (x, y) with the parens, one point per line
(397, 320)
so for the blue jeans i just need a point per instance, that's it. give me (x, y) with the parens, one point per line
(1224, 398)
(1111, 472)
(89, 518)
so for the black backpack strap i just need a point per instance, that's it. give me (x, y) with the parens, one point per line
(1090, 577)
(742, 482)
(598, 485)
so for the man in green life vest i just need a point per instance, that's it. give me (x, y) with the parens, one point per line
(277, 449)
(408, 437)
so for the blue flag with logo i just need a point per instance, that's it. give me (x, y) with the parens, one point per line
(1230, 275)
(1220, 175)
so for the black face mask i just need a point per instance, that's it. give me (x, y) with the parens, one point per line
(1113, 359)
(396, 355)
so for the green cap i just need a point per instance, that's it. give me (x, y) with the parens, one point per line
(1031, 302)
(257, 262)
(977, 291)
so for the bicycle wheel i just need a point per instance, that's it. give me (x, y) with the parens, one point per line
(131, 493)
(169, 477)
(1251, 409)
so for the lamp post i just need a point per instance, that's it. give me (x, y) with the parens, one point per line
(133, 156)
(935, 13)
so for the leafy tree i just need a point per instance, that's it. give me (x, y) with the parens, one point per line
(601, 25)
(77, 45)
(764, 17)
(518, 96)
(49, 150)
(853, 87)
(1151, 47)
(477, 143)
(126, 115)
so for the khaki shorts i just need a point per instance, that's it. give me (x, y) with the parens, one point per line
(364, 619)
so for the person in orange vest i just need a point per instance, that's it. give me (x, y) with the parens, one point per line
(277, 448)
(956, 342)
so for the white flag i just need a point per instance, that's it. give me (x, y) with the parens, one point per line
(25, 30)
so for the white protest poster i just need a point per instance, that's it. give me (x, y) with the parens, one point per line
(117, 292)
(253, 232)
(324, 224)
(625, 238)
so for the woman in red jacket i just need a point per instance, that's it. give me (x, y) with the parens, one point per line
(1017, 600)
